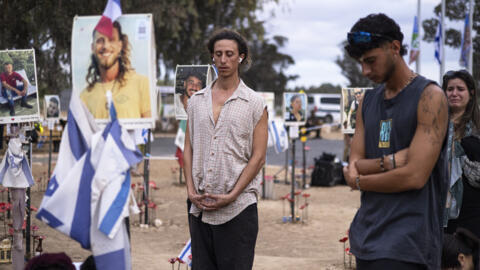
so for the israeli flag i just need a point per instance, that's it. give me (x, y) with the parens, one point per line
(185, 255)
(278, 135)
(14, 169)
(438, 44)
(87, 197)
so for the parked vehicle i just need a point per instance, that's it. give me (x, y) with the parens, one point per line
(324, 107)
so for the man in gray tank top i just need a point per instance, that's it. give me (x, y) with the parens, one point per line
(398, 155)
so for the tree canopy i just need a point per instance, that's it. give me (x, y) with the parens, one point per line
(182, 28)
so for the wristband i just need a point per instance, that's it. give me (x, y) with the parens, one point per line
(382, 167)
(392, 158)
(357, 182)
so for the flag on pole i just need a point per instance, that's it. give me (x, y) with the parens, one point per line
(278, 135)
(439, 43)
(466, 43)
(185, 255)
(111, 13)
(87, 197)
(415, 45)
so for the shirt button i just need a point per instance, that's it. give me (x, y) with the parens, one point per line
(212, 154)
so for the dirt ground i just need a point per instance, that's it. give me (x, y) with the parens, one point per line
(313, 244)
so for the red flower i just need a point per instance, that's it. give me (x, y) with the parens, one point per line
(172, 260)
(180, 260)
(343, 240)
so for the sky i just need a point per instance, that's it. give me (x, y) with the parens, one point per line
(315, 28)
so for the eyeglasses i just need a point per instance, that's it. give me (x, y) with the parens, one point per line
(364, 37)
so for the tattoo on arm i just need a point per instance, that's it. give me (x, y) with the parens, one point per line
(434, 109)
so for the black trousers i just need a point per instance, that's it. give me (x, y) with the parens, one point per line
(228, 246)
(389, 264)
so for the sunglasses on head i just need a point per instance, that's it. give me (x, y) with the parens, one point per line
(451, 73)
(364, 37)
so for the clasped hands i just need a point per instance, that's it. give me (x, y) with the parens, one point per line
(210, 202)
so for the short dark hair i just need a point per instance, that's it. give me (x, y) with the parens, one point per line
(379, 24)
(54, 100)
(230, 35)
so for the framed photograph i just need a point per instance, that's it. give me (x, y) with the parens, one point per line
(18, 87)
(52, 107)
(123, 64)
(294, 109)
(188, 80)
(350, 101)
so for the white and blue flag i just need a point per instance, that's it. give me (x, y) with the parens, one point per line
(88, 194)
(14, 169)
(439, 44)
(185, 255)
(277, 134)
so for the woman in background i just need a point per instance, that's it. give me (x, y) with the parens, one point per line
(463, 199)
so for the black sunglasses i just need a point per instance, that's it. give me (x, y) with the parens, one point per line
(364, 37)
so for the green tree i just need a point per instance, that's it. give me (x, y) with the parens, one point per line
(352, 70)
(455, 11)
(181, 30)
(267, 70)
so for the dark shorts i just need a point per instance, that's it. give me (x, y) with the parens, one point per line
(228, 246)
(389, 264)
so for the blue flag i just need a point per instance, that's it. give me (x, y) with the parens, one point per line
(439, 44)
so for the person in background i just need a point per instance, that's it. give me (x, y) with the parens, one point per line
(460, 251)
(463, 199)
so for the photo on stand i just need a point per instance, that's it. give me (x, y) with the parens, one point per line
(294, 109)
(52, 107)
(122, 64)
(350, 101)
(189, 79)
(18, 87)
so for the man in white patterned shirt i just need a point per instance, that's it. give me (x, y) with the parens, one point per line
(225, 148)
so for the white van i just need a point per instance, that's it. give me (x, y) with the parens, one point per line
(325, 107)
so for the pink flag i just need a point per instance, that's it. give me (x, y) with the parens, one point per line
(110, 14)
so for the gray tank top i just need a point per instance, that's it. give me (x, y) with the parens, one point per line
(405, 226)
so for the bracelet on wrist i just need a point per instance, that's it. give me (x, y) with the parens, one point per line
(357, 182)
(382, 163)
(392, 158)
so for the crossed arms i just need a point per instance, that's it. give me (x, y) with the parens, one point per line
(413, 164)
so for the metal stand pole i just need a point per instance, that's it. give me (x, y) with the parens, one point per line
(28, 253)
(49, 157)
(286, 167)
(146, 170)
(304, 175)
(292, 194)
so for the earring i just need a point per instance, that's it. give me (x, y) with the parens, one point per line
(240, 60)
(213, 59)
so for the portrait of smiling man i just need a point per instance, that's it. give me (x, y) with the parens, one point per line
(110, 70)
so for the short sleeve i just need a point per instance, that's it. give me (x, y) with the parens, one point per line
(259, 107)
(18, 76)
